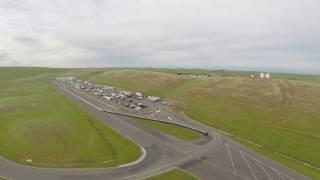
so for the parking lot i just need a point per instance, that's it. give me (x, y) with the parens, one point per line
(126, 101)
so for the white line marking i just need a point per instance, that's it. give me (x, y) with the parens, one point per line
(157, 173)
(268, 166)
(163, 167)
(277, 172)
(234, 169)
(142, 157)
(98, 100)
(255, 177)
(265, 171)
(215, 149)
(277, 164)
(287, 176)
(81, 98)
(210, 164)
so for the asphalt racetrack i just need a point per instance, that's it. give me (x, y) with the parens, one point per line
(212, 157)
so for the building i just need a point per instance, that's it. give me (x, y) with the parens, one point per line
(265, 75)
(268, 75)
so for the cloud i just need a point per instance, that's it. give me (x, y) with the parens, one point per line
(3, 56)
(5, 59)
(246, 34)
(24, 39)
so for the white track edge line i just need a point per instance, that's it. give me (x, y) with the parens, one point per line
(142, 157)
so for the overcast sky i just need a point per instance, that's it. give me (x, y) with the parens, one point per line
(281, 35)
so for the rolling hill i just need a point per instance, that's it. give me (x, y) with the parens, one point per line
(278, 115)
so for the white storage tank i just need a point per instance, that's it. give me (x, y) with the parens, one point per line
(268, 76)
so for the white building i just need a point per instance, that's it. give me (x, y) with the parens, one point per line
(265, 75)
(268, 75)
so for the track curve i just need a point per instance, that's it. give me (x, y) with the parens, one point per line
(163, 152)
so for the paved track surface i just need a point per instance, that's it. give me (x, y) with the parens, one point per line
(212, 157)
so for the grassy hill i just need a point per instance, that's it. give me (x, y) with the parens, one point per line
(39, 123)
(281, 115)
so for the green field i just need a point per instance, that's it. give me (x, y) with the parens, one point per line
(175, 174)
(282, 114)
(39, 123)
(175, 131)
(198, 73)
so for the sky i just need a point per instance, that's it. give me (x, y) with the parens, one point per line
(268, 35)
